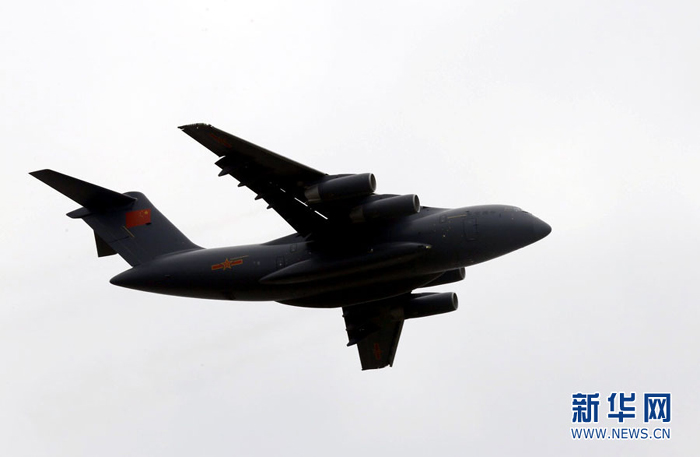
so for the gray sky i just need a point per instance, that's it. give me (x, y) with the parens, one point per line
(583, 113)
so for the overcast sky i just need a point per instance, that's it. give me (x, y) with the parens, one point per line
(584, 113)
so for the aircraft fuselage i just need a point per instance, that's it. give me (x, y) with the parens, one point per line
(377, 262)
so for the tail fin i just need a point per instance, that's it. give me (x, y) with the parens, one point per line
(126, 224)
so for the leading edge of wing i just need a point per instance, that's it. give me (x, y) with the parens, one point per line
(276, 179)
(224, 144)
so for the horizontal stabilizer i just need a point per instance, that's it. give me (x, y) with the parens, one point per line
(84, 193)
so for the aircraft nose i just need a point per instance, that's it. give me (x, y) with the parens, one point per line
(540, 228)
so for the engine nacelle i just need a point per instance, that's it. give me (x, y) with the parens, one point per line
(341, 187)
(386, 208)
(430, 304)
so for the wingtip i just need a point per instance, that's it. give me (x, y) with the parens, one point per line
(193, 126)
(43, 174)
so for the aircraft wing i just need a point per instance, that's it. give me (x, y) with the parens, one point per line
(295, 190)
(375, 328)
(277, 180)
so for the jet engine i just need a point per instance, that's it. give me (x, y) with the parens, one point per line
(429, 304)
(386, 208)
(345, 186)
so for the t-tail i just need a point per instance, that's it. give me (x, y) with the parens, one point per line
(126, 224)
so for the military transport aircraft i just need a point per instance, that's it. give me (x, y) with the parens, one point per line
(353, 248)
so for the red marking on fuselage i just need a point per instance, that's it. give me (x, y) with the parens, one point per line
(226, 264)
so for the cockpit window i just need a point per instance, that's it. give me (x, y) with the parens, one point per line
(512, 208)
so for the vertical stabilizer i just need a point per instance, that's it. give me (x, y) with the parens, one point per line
(127, 224)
